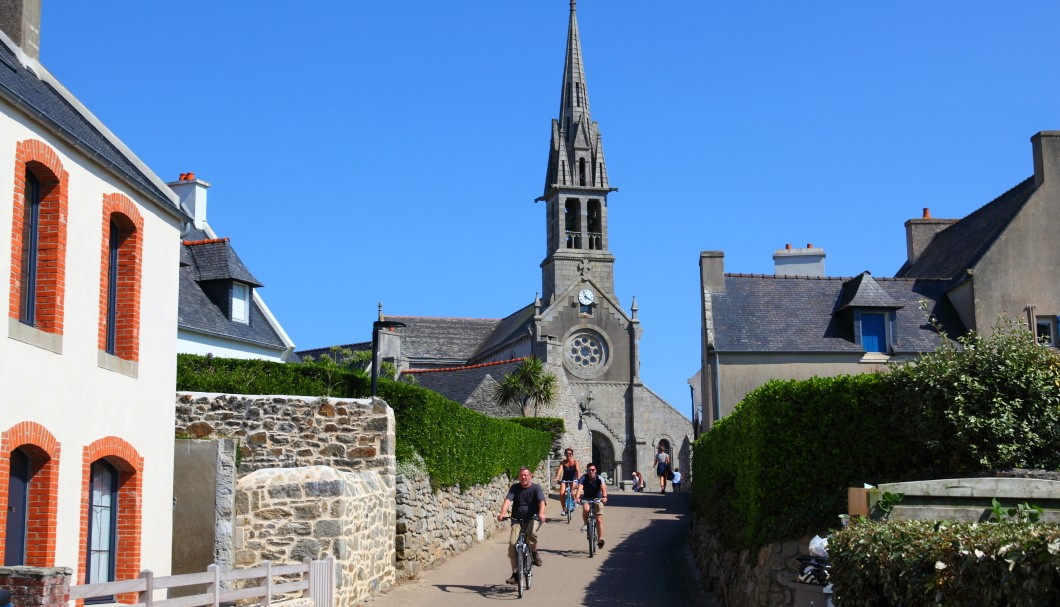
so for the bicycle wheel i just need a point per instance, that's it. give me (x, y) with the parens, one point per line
(570, 507)
(592, 535)
(528, 570)
(520, 559)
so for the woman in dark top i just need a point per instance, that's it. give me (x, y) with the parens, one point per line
(568, 470)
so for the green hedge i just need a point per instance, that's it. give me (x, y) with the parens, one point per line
(459, 446)
(555, 426)
(779, 466)
(884, 563)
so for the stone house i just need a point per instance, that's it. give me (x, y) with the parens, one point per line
(86, 428)
(798, 323)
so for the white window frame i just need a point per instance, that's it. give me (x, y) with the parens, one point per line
(241, 305)
(1045, 321)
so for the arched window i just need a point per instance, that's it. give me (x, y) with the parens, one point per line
(112, 286)
(120, 273)
(17, 509)
(596, 226)
(27, 294)
(102, 526)
(572, 223)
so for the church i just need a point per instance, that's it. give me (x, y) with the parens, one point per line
(577, 326)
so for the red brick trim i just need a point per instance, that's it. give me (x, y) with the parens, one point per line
(464, 368)
(42, 161)
(130, 269)
(192, 243)
(130, 466)
(43, 451)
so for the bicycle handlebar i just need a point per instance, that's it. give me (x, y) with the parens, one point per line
(520, 520)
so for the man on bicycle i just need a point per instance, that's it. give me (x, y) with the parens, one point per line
(591, 487)
(524, 500)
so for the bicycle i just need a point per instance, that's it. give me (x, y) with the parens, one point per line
(590, 530)
(569, 503)
(523, 561)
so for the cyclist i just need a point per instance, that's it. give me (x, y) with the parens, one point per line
(569, 470)
(524, 500)
(591, 487)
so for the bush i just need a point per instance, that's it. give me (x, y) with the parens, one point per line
(779, 466)
(555, 426)
(458, 446)
(884, 563)
(991, 402)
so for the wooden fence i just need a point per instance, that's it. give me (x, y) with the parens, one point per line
(316, 581)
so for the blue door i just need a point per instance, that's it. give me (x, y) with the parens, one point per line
(873, 333)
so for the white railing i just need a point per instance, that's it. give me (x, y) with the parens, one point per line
(317, 582)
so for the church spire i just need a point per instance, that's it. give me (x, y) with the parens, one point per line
(576, 158)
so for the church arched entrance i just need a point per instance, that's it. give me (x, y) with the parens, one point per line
(604, 455)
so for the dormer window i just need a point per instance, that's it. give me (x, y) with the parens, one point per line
(240, 303)
(874, 332)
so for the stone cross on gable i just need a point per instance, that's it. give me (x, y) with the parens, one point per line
(584, 267)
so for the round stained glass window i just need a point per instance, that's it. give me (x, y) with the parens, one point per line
(586, 353)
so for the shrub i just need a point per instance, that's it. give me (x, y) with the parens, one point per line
(883, 563)
(990, 402)
(555, 426)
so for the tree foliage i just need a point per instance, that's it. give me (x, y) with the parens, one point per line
(529, 386)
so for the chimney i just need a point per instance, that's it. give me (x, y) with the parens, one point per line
(799, 262)
(920, 232)
(192, 193)
(712, 271)
(20, 20)
(1046, 145)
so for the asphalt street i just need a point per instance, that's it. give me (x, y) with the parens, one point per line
(645, 562)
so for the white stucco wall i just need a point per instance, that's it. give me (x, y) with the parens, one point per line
(189, 342)
(69, 394)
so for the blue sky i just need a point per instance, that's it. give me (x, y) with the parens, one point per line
(391, 151)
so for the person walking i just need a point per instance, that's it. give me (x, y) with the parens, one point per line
(676, 480)
(662, 465)
(524, 500)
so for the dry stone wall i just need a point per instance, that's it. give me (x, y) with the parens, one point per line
(747, 578)
(433, 526)
(288, 515)
(291, 431)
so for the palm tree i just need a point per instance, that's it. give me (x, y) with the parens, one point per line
(528, 385)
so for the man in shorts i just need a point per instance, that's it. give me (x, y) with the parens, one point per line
(592, 487)
(524, 499)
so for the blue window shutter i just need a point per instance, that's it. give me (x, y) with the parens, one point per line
(873, 332)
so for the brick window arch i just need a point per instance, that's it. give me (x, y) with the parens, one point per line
(42, 450)
(38, 237)
(124, 458)
(119, 280)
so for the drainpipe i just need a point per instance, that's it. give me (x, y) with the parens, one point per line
(717, 387)
(1031, 326)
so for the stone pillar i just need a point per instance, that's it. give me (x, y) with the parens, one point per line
(37, 586)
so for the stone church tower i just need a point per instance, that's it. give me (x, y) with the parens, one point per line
(577, 326)
(582, 331)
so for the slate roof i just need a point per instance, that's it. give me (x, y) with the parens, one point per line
(458, 384)
(766, 313)
(961, 246)
(44, 103)
(864, 292)
(196, 312)
(456, 339)
(508, 330)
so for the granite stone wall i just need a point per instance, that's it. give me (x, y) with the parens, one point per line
(290, 514)
(747, 578)
(434, 525)
(291, 431)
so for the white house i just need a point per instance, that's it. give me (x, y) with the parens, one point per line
(87, 367)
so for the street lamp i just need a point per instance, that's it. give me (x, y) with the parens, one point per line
(379, 324)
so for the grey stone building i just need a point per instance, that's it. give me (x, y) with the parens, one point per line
(577, 326)
(966, 272)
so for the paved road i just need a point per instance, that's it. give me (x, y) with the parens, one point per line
(645, 562)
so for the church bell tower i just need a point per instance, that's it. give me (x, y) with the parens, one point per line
(576, 187)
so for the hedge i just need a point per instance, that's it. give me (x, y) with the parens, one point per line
(884, 563)
(779, 466)
(459, 446)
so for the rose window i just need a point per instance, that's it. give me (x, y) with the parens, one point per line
(586, 353)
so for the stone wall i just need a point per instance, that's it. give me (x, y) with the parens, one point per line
(433, 526)
(291, 431)
(748, 578)
(37, 586)
(287, 515)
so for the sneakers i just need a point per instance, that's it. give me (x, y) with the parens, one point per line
(584, 527)
(536, 559)
(600, 543)
(514, 579)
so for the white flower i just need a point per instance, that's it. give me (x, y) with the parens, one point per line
(940, 565)
(979, 553)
